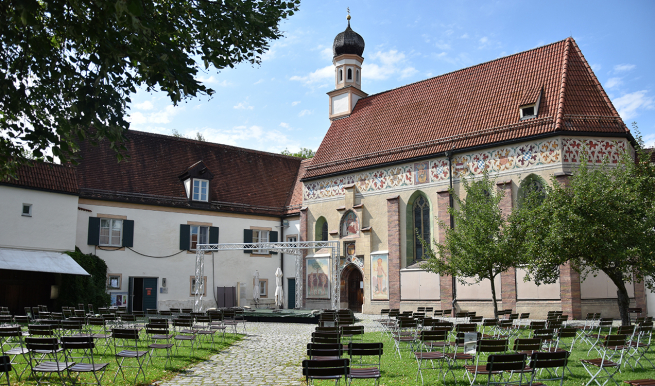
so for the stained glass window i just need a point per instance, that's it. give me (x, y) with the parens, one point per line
(421, 212)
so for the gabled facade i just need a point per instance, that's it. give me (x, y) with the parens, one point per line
(387, 165)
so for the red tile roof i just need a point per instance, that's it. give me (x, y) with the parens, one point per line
(246, 181)
(295, 199)
(474, 106)
(46, 176)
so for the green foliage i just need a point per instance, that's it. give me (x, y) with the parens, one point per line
(198, 137)
(604, 220)
(75, 289)
(303, 153)
(477, 247)
(68, 67)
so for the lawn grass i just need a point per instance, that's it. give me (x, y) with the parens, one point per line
(397, 371)
(155, 371)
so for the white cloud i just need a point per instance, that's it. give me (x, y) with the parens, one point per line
(259, 81)
(649, 140)
(465, 36)
(392, 62)
(295, 103)
(326, 53)
(147, 105)
(251, 137)
(484, 39)
(596, 67)
(284, 124)
(213, 81)
(137, 118)
(442, 46)
(243, 106)
(623, 67)
(305, 112)
(318, 76)
(613, 82)
(628, 104)
(161, 116)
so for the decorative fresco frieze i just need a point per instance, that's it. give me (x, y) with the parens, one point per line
(496, 160)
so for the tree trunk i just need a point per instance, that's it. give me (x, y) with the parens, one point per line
(493, 296)
(622, 297)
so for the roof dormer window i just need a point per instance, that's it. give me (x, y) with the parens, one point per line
(528, 111)
(200, 189)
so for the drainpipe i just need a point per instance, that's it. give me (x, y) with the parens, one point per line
(449, 154)
(281, 253)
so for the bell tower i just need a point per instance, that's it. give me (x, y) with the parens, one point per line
(347, 49)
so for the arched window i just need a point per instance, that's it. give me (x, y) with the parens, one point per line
(349, 224)
(340, 75)
(532, 184)
(421, 217)
(321, 230)
(357, 76)
(350, 74)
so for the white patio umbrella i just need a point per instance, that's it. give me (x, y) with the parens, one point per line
(279, 291)
(256, 290)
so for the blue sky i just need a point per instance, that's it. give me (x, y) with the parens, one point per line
(283, 103)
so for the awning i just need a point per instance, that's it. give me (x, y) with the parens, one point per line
(39, 261)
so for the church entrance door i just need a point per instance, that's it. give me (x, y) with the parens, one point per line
(354, 288)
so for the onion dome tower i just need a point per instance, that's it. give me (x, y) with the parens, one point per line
(347, 49)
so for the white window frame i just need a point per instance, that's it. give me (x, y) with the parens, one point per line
(263, 288)
(340, 76)
(349, 71)
(192, 285)
(197, 195)
(198, 230)
(534, 106)
(260, 236)
(29, 210)
(109, 243)
(114, 281)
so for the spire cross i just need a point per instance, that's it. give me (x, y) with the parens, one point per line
(348, 15)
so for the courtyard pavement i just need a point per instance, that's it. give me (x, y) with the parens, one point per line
(269, 354)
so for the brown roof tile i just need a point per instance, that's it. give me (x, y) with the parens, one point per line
(46, 176)
(244, 180)
(474, 106)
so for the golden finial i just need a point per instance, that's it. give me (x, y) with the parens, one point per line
(348, 14)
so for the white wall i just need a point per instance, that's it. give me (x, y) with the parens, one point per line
(601, 287)
(289, 268)
(157, 233)
(51, 227)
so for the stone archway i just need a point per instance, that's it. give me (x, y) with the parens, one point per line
(352, 281)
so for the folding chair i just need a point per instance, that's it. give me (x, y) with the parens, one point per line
(203, 328)
(547, 336)
(426, 341)
(126, 346)
(184, 333)
(641, 346)
(467, 354)
(5, 366)
(79, 350)
(156, 333)
(641, 382)
(50, 347)
(101, 336)
(365, 370)
(549, 361)
(484, 346)
(325, 337)
(499, 364)
(612, 346)
(603, 328)
(405, 333)
(11, 344)
(352, 332)
(324, 351)
(565, 333)
(527, 346)
(327, 370)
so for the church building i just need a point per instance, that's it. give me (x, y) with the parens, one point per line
(382, 173)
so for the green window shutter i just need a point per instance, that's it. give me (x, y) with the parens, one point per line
(272, 237)
(128, 233)
(247, 238)
(213, 235)
(185, 237)
(94, 231)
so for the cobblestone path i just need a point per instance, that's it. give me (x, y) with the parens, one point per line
(270, 354)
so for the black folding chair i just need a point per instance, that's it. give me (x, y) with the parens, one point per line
(550, 362)
(360, 369)
(11, 343)
(126, 346)
(5, 366)
(614, 345)
(324, 351)
(79, 349)
(46, 347)
(157, 333)
(500, 364)
(333, 369)
(427, 340)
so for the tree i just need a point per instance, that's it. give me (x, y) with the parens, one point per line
(603, 221)
(303, 153)
(477, 247)
(68, 67)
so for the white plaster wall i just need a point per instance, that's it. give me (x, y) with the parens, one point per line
(650, 302)
(289, 268)
(419, 285)
(529, 290)
(601, 287)
(157, 233)
(339, 103)
(51, 227)
(479, 291)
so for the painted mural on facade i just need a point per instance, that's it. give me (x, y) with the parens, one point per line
(318, 278)
(379, 277)
(505, 159)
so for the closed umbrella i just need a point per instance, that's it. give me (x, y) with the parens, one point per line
(279, 291)
(256, 289)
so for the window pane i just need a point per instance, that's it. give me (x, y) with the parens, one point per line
(194, 236)
(203, 235)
